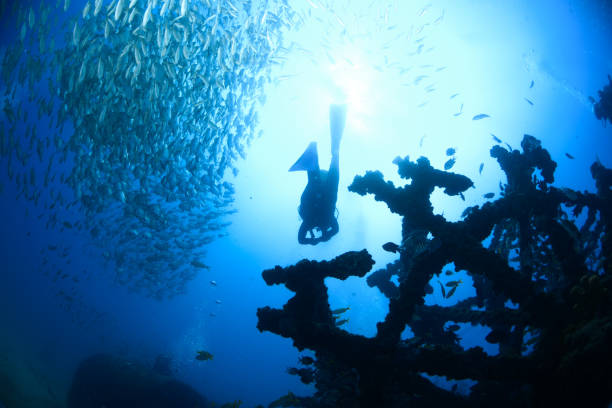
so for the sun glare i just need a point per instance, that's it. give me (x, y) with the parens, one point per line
(349, 80)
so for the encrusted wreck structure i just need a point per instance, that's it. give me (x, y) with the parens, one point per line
(546, 249)
(603, 107)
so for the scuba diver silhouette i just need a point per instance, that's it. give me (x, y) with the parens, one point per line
(318, 203)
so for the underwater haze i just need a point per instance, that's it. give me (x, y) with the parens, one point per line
(144, 184)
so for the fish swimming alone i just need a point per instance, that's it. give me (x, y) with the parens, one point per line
(443, 290)
(480, 116)
(204, 355)
(340, 310)
(452, 284)
(421, 141)
(341, 322)
(460, 111)
(449, 163)
(451, 292)
(199, 264)
(391, 247)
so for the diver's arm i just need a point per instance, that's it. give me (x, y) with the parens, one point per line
(302, 232)
(333, 230)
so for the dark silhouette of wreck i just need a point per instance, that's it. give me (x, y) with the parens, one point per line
(562, 286)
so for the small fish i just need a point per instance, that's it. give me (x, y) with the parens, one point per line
(450, 151)
(489, 195)
(218, 301)
(203, 355)
(423, 10)
(443, 290)
(419, 79)
(531, 84)
(199, 264)
(569, 156)
(453, 327)
(306, 360)
(118, 9)
(183, 8)
(460, 110)
(453, 95)
(147, 15)
(480, 168)
(391, 247)
(213, 283)
(449, 163)
(480, 116)
(340, 310)
(448, 273)
(497, 139)
(452, 284)
(421, 141)
(341, 322)
(528, 101)
(97, 7)
(451, 292)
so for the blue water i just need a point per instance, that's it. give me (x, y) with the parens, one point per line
(490, 51)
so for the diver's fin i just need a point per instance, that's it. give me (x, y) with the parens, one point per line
(337, 119)
(309, 160)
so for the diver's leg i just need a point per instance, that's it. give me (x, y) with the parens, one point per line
(302, 234)
(309, 160)
(337, 119)
(331, 183)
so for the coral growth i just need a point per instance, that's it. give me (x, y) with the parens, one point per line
(546, 249)
(107, 381)
(603, 108)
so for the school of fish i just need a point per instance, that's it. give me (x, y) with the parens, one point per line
(144, 106)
